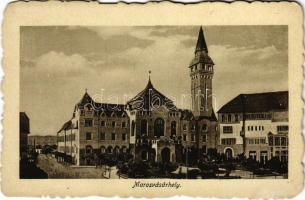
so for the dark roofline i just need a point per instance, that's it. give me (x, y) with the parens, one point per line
(238, 104)
(66, 126)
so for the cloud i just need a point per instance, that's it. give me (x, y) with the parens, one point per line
(58, 63)
(62, 65)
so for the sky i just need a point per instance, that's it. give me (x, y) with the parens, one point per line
(58, 64)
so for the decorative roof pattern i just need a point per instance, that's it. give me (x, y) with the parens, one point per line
(150, 99)
(257, 102)
(107, 108)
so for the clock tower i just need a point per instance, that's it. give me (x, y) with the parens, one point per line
(201, 73)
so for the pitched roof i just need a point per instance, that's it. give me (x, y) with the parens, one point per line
(107, 108)
(201, 44)
(257, 102)
(150, 98)
(66, 126)
(86, 99)
(201, 51)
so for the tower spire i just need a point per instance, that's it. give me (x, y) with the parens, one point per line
(201, 44)
(149, 84)
(149, 72)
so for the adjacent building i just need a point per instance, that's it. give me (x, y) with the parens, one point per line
(255, 125)
(24, 127)
(149, 126)
(42, 140)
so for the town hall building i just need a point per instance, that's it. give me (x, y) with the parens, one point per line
(149, 126)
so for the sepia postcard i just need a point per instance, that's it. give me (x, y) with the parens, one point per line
(158, 100)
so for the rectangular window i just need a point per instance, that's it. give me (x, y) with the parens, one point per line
(123, 124)
(204, 149)
(124, 136)
(236, 118)
(248, 128)
(113, 136)
(184, 137)
(88, 122)
(255, 128)
(223, 118)
(250, 141)
(282, 128)
(228, 141)
(184, 127)
(277, 141)
(227, 129)
(103, 123)
(262, 140)
(88, 136)
(283, 141)
(102, 136)
(251, 128)
(204, 138)
(229, 118)
(193, 137)
(113, 124)
(262, 127)
(252, 155)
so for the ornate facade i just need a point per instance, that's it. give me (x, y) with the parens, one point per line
(149, 126)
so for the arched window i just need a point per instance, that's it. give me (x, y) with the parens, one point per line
(103, 149)
(143, 127)
(132, 128)
(144, 155)
(124, 149)
(117, 150)
(109, 149)
(159, 127)
(173, 128)
(204, 127)
(89, 149)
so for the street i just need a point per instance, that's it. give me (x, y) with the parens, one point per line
(61, 171)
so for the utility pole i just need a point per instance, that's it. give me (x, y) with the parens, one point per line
(186, 161)
(243, 130)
